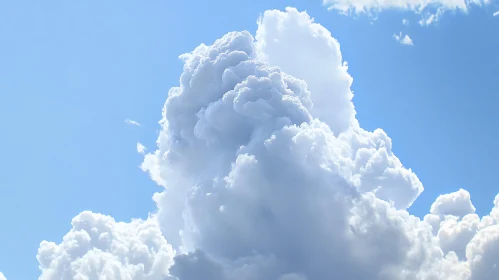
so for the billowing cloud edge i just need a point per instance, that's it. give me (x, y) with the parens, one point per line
(98, 247)
(262, 181)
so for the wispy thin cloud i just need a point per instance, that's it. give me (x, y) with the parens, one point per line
(496, 13)
(132, 122)
(430, 11)
(403, 39)
(405, 21)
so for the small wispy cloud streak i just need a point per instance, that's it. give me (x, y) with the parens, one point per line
(132, 122)
(496, 14)
(429, 11)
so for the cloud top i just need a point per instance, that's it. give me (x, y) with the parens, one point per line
(456, 203)
(332, 97)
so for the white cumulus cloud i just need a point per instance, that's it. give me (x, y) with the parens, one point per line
(98, 247)
(267, 174)
(132, 122)
(403, 39)
(456, 203)
(2, 277)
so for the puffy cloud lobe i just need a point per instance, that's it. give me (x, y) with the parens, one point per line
(456, 204)
(376, 169)
(2, 277)
(483, 253)
(453, 221)
(261, 184)
(471, 239)
(97, 247)
(311, 46)
(454, 234)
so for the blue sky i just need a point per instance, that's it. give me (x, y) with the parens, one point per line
(73, 71)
